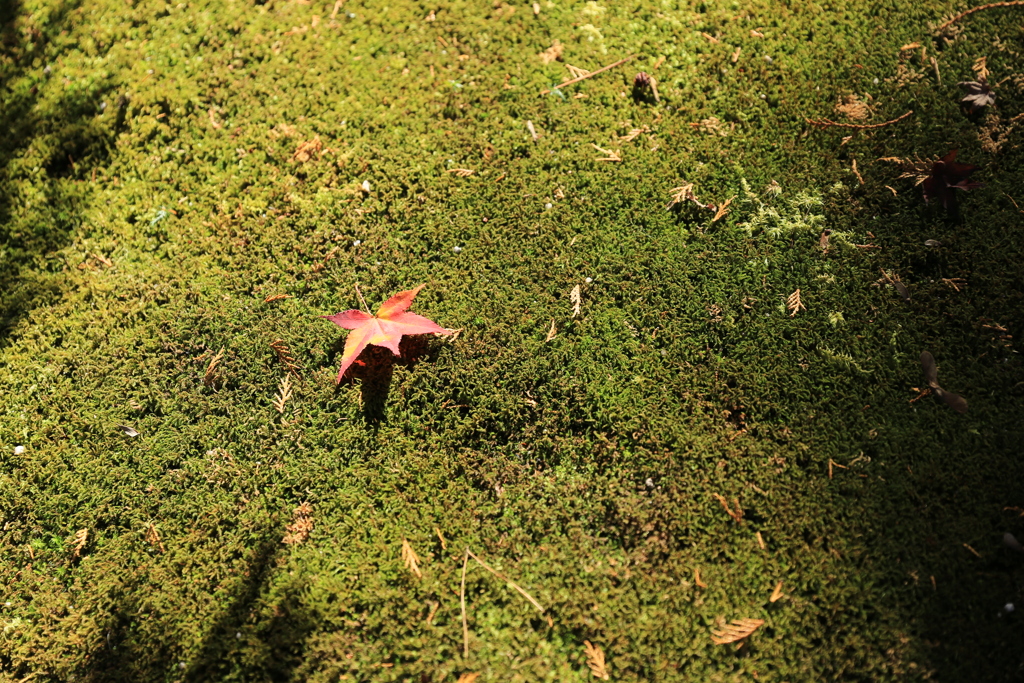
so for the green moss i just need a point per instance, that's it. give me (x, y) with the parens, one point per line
(151, 202)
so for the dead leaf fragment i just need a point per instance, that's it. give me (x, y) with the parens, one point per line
(737, 630)
(412, 561)
(576, 300)
(552, 332)
(777, 593)
(595, 660)
(302, 524)
(308, 150)
(552, 53)
(978, 94)
(80, 539)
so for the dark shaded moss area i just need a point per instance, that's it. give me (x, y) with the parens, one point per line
(152, 201)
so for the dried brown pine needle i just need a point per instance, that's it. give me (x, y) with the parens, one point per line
(412, 561)
(973, 551)
(79, 541)
(210, 376)
(589, 74)
(958, 17)
(794, 305)
(826, 123)
(507, 580)
(283, 394)
(440, 536)
(302, 524)
(777, 593)
(737, 630)
(595, 660)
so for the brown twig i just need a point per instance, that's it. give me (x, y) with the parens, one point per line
(585, 76)
(826, 123)
(1012, 3)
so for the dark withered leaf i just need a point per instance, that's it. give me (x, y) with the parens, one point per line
(902, 289)
(1010, 541)
(946, 177)
(931, 374)
(979, 94)
(954, 401)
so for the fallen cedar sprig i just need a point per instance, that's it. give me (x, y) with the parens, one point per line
(991, 5)
(587, 75)
(827, 123)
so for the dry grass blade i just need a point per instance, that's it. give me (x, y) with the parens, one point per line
(302, 524)
(931, 373)
(737, 630)
(533, 130)
(283, 394)
(506, 580)
(723, 209)
(576, 299)
(210, 376)
(777, 593)
(462, 602)
(794, 305)
(79, 541)
(595, 660)
(412, 561)
(552, 332)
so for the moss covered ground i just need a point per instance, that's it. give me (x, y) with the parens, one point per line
(651, 472)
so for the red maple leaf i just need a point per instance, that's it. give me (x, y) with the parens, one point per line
(948, 176)
(386, 329)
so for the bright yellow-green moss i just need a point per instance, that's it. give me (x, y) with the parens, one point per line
(165, 169)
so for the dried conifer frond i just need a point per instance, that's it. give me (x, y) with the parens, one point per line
(153, 537)
(635, 133)
(737, 630)
(79, 541)
(777, 593)
(723, 209)
(461, 172)
(610, 155)
(412, 561)
(210, 376)
(736, 514)
(794, 305)
(576, 299)
(595, 660)
(684, 193)
(853, 108)
(284, 356)
(551, 332)
(302, 524)
(283, 394)
(576, 71)
(552, 53)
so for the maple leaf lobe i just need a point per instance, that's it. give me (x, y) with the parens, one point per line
(392, 322)
(946, 177)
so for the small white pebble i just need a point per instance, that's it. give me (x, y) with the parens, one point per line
(356, 243)
(182, 665)
(456, 249)
(763, 96)
(875, 81)
(7, 604)
(650, 483)
(768, 59)
(238, 635)
(588, 280)
(548, 205)
(1008, 607)
(366, 186)
(351, 15)
(18, 450)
